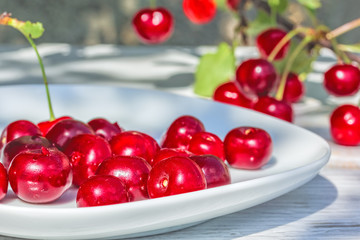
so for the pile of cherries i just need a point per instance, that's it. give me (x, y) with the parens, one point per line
(110, 165)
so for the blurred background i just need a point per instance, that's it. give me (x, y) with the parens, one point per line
(89, 22)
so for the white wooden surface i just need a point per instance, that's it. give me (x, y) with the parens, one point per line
(328, 207)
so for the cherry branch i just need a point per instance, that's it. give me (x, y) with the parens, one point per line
(288, 25)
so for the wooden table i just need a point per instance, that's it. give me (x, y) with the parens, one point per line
(328, 207)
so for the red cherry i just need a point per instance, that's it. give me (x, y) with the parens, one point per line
(207, 143)
(134, 143)
(233, 4)
(215, 171)
(164, 153)
(294, 89)
(256, 76)
(104, 128)
(22, 144)
(248, 147)
(153, 26)
(86, 152)
(46, 125)
(40, 176)
(180, 132)
(66, 129)
(132, 171)
(342, 80)
(345, 125)
(275, 108)
(18, 129)
(3, 181)
(175, 175)
(229, 93)
(199, 11)
(100, 190)
(267, 41)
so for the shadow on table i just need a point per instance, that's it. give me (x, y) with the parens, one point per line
(283, 210)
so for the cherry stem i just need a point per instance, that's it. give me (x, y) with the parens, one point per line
(153, 4)
(280, 92)
(52, 116)
(343, 29)
(340, 54)
(285, 40)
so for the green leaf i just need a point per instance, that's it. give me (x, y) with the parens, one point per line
(278, 5)
(302, 63)
(214, 69)
(310, 4)
(34, 30)
(262, 22)
(221, 4)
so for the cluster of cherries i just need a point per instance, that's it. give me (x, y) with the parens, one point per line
(256, 78)
(110, 165)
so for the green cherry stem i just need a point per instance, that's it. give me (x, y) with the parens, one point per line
(340, 54)
(52, 116)
(284, 40)
(280, 92)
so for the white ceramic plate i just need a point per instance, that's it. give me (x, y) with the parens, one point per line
(298, 156)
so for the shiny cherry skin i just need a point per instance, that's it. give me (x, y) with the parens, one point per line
(180, 132)
(46, 125)
(101, 190)
(66, 129)
(18, 129)
(267, 41)
(164, 153)
(275, 108)
(134, 143)
(256, 76)
(40, 176)
(233, 4)
(104, 128)
(248, 147)
(345, 125)
(207, 143)
(199, 11)
(294, 89)
(215, 170)
(132, 171)
(153, 26)
(22, 144)
(229, 93)
(342, 80)
(86, 152)
(3, 182)
(175, 175)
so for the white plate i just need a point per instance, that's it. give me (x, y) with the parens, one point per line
(298, 156)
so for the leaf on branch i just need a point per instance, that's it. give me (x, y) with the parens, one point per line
(302, 64)
(310, 4)
(262, 22)
(278, 5)
(221, 4)
(29, 29)
(214, 69)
